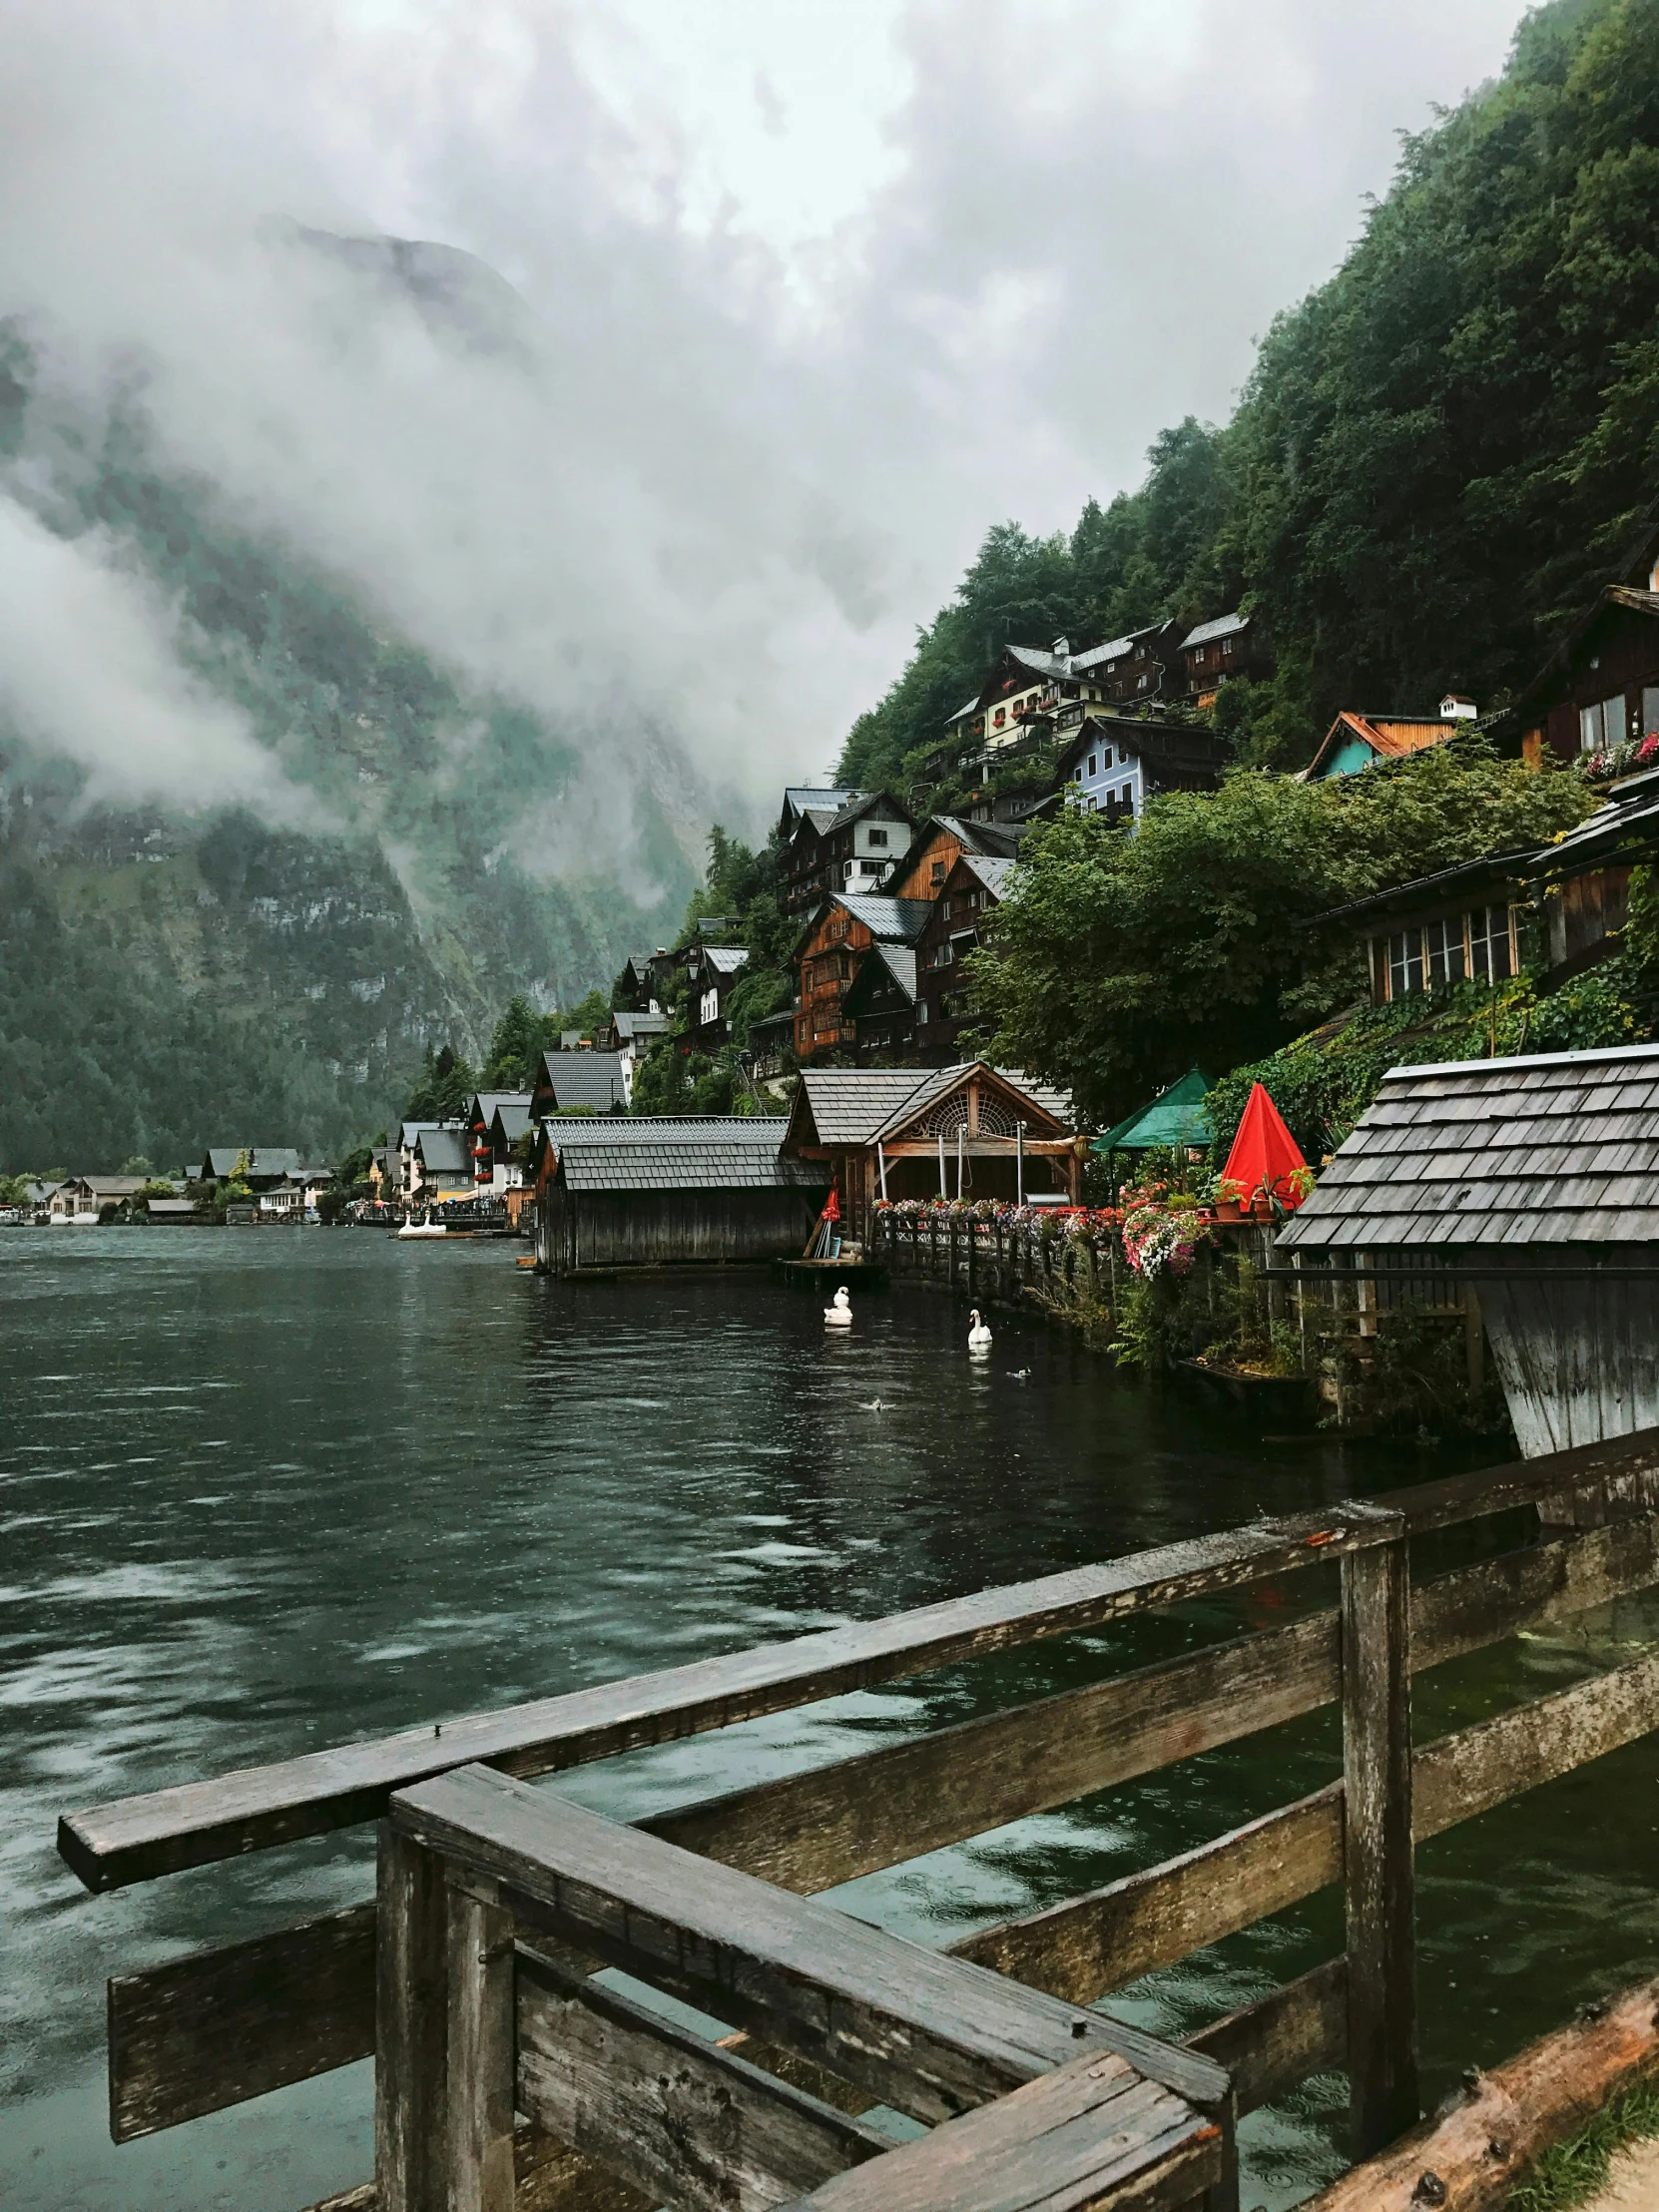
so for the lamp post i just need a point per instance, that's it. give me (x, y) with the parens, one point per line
(1020, 1161)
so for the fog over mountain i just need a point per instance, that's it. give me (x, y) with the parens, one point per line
(476, 444)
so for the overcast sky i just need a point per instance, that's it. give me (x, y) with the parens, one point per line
(816, 291)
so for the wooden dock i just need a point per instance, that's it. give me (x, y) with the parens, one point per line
(467, 1976)
(827, 1275)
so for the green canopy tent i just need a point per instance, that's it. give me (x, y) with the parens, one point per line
(1175, 1117)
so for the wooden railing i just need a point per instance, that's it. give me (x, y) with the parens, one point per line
(210, 2030)
(991, 1259)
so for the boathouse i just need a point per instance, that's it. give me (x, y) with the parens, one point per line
(670, 1190)
(1535, 1183)
(969, 1131)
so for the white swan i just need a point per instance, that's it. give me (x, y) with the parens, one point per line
(980, 1336)
(839, 1315)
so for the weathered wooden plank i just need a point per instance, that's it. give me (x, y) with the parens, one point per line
(683, 2120)
(137, 1839)
(551, 2178)
(1480, 2149)
(299, 2001)
(1087, 2136)
(210, 2030)
(1379, 1874)
(1273, 2045)
(411, 2027)
(479, 2112)
(931, 2033)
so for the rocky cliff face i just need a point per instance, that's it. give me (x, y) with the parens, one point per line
(267, 965)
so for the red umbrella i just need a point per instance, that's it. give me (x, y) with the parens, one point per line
(1264, 1154)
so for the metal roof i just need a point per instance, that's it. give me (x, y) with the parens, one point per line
(584, 1079)
(487, 1101)
(990, 868)
(725, 959)
(1224, 626)
(677, 1152)
(514, 1119)
(899, 961)
(442, 1151)
(1556, 1148)
(639, 1025)
(898, 920)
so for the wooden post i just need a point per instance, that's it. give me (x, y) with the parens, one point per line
(1474, 1340)
(952, 1255)
(411, 2029)
(932, 1244)
(480, 2055)
(1377, 1843)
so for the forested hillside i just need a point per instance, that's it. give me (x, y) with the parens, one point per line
(1439, 452)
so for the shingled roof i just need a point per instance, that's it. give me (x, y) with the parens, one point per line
(854, 1106)
(676, 1151)
(1558, 1148)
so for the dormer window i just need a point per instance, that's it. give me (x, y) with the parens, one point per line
(879, 837)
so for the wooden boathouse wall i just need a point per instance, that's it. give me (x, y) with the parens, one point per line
(592, 1231)
(1534, 1184)
(466, 1976)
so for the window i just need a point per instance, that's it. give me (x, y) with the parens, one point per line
(1601, 726)
(1406, 963)
(1444, 941)
(708, 1005)
(945, 906)
(1227, 649)
(941, 955)
(1091, 763)
(1489, 949)
(922, 1010)
(1140, 681)
(1650, 708)
(1092, 806)
(999, 717)
(878, 837)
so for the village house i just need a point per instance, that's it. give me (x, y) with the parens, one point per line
(1113, 764)
(265, 1166)
(829, 954)
(86, 1199)
(937, 844)
(971, 1131)
(880, 1007)
(1355, 740)
(295, 1197)
(951, 932)
(631, 1036)
(670, 1191)
(493, 1167)
(712, 972)
(853, 849)
(441, 1166)
(632, 990)
(1216, 651)
(409, 1133)
(1599, 687)
(591, 1082)
(771, 1041)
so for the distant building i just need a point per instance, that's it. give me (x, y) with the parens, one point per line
(853, 848)
(442, 1166)
(593, 1081)
(829, 954)
(632, 1036)
(1113, 764)
(493, 1167)
(951, 933)
(712, 972)
(880, 1007)
(267, 1165)
(1355, 740)
(409, 1134)
(1216, 651)
(85, 1199)
(1599, 687)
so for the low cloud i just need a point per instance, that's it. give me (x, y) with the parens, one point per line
(87, 675)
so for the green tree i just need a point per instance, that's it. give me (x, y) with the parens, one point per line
(445, 1085)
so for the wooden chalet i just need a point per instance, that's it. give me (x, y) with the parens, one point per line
(489, 1144)
(593, 1081)
(712, 972)
(880, 1007)
(670, 1191)
(442, 1166)
(854, 849)
(1536, 1180)
(632, 990)
(1355, 740)
(971, 1131)
(829, 954)
(1213, 653)
(975, 883)
(1599, 687)
(938, 842)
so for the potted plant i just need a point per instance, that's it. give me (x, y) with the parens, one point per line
(1227, 1197)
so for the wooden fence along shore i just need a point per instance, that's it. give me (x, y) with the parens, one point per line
(504, 2078)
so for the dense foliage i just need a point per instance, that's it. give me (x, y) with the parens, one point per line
(1439, 451)
(1116, 964)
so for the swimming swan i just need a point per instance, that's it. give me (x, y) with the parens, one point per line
(839, 1315)
(980, 1336)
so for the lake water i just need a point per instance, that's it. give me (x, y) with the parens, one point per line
(260, 1494)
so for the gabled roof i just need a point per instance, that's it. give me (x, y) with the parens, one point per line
(1556, 1148)
(725, 959)
(1169, 748)
(1390, 736)
(675, 1152)
(856, 1106)
(442, 1151)
(1224, 626)
(511, 1120)
(991, 870)
(407, 1131)
(484, 1104)
(802, 800)
(889, 920)
(583, 1079)
(639, 1025)
(1632, 598)
(894, 964)
(881, 804)
(107, 1186)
